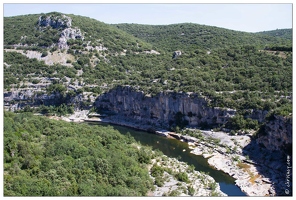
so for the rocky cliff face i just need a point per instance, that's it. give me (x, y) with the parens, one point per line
(169, 109)
(28, 95)
(69, 33)
(277, 134)
(18, 99)
(165, 109)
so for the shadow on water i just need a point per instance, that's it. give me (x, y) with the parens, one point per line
(277, 166)
(177, 149)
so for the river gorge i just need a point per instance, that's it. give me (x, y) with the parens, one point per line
(258, 165)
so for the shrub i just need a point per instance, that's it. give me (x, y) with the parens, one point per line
(174, 193)
(35, 81)
(191, 190)
(44, 54)
(182, 176)
(212, 185)
(243, 165)
(159, 181)
(156, 170)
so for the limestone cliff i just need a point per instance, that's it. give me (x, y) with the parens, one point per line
(168, 109)
(16, 100)
(164, 109)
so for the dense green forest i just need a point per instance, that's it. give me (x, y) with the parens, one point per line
(225, 76)
(282, 33)
(44, 157)
(229, 68)
(189, 36)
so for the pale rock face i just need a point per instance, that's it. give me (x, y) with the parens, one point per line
(62, 43)
(177, 54)
(30, 97)
(64, 22)
(163, 108)
(69, 33)
(55, 22)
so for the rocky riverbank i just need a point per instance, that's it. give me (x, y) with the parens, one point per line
(224, 152)
(175, 178)
(258, 172)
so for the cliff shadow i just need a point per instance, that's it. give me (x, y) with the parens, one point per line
(274, 166)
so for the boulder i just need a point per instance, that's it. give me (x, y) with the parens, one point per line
(177, 54)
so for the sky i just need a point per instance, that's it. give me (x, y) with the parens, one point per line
(248, 17)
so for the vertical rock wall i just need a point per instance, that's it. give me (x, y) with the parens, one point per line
(165, 109)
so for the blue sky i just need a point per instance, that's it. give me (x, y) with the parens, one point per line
(242, 17)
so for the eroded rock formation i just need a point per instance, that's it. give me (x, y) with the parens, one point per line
(64, 23)
(55, 21)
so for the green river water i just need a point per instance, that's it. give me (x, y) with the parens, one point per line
(177, 149)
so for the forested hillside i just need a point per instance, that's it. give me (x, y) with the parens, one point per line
(229, 68)
(57, 64)
(281, 33)
(25, 30)
(188, 37)
(44, 157)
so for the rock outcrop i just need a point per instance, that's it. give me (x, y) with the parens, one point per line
(198, 184)
(18, 99)
(277, 134)
(165, 109)
(69, 33)
(64, 23)
(177, 54)
(168, 109)
(55, 22)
